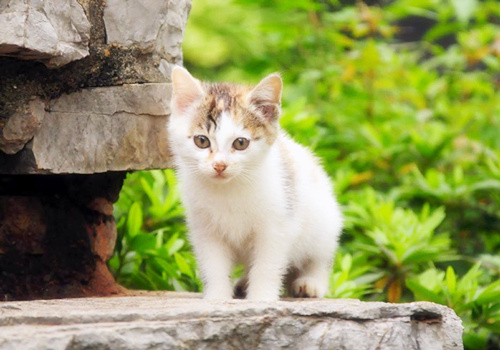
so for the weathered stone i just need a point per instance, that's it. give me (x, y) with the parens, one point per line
(174, 321)
(130, 22)
(101, 205)
(78, 113)
(21, 127)
(104, 129)
(152, 99)
(169, 41)
(55, 32)
(103, 238)
(153, 25)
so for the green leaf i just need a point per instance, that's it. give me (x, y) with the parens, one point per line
(464, 9)
(168, 268)
(346, 262)
(149, 191)
(143, 242)
(422, 293)
(489, 294)
(451, 279)
(159, 238)
(175, 247)
(134, 220)
(183, 265)
(143, 281)
(159, 282)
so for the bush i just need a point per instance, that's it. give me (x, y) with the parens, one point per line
(400, 99)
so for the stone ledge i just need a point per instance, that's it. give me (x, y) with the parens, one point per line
(184, 321)
(94, 130)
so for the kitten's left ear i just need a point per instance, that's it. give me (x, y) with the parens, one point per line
(266, 96)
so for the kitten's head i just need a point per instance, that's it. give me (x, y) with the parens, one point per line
(222, 131)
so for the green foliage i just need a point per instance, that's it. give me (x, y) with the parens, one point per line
(474, 296)
(152, 251)
(406, 121)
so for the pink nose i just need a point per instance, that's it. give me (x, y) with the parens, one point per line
(220, 167)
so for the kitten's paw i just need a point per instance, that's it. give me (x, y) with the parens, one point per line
(240, 288)
(262, 296)
(307, 287)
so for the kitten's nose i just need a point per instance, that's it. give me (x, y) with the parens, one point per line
(219, 167)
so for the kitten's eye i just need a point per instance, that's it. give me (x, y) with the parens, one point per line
(241, 143)
(201, 141)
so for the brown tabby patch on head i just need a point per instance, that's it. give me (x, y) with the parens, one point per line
(232, 98)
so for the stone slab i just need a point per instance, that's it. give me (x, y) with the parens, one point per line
(55, 32)
(184, 321)
(103, 129)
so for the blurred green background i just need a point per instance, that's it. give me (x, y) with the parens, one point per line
(401, 101)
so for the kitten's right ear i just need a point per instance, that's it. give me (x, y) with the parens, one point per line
(186, 90)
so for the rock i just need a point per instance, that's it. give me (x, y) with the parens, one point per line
(21, 127)
(55, 32)
(105, 129)
(130, 22)
(103, 238)
(152, 25)
(107, 111)
(101, 205)
(89, 117)
(174, 321)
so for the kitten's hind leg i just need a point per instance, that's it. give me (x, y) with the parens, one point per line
(312, 280)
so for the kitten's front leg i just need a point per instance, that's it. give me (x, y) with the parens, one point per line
(270, 261)
(215, 263)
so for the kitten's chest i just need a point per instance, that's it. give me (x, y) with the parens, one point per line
(233, 212)
(231, 215)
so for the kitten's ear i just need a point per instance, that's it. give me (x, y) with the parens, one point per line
(186, 90)
(266, 96)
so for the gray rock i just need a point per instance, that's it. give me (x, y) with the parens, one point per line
(177, 321)
(118, 126)
(56, 32)
(105, 129)
(21, 126)
(152, 25)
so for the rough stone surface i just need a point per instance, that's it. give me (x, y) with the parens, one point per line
(84, 92)
(105, 129)
(100, 129)
(130, 42)
(177, 321)
(153, 25)
(21, 127)
(55, 32)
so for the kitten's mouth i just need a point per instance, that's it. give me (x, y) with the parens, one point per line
(221, 177)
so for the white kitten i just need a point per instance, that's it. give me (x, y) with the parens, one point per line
(252, 195)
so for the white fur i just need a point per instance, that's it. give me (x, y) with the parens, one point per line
(249, 217)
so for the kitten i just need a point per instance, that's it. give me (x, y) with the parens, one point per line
(252, 195)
